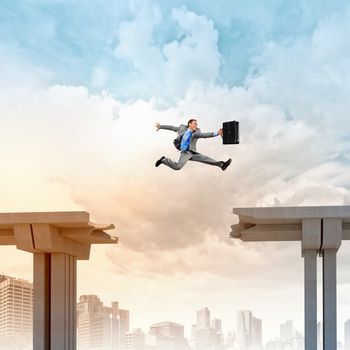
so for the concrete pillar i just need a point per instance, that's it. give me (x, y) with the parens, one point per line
(310, 298)
(310, 244)
(329, 299)
(54, 302)
(63, 302)
(331, 241)
(42, 290)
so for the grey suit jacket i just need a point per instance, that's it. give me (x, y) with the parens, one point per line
(180, 130)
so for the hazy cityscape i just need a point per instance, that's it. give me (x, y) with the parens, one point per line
(101, 327)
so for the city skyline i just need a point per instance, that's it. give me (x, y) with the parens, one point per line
(85, 268)
(287, 331)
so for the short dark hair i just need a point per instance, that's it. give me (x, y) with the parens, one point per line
(190, 121)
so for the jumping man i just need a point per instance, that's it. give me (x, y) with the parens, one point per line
(186, 141)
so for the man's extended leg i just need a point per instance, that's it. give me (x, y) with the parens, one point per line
(197, 157)
(184, 157)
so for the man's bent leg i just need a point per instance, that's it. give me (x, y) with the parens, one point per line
(197, 157)
(184, 157)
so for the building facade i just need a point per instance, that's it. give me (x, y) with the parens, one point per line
(203, 318)
(135, 340)
(16, 310)
(249, 330)
(206, 334)
(167, 335)
(286, 330)
(208, 339)
(100, 327)
(257, 334)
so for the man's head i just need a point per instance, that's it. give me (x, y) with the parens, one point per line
(192, 124)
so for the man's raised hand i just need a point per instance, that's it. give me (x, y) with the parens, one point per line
(157, 126)
(220, 132)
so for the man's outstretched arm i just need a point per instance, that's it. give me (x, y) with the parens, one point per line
(166, 127)
(209, 134)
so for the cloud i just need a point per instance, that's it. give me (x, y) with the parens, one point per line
(314, 70)
(136, 38)
(194, 57)
(171, 68)
(59, 35)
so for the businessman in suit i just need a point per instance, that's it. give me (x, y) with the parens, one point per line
(187, 136)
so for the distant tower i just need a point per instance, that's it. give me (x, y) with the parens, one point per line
(203, 318)
(135, 340)
(299, 341)
(92, 323)
(257, 333)
(100, 326)
(167, 335)
(216, 324)
(287, 330)
(124, 327)
(245, 328)
(229, 340)
(193, 333)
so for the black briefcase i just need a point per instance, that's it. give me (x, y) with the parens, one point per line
(230, 133)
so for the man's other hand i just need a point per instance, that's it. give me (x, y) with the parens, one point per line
(220, 132)
(157, 126)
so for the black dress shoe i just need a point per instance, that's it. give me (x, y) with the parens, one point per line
(159, 161)
(226, 164)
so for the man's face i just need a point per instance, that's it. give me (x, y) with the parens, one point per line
(193, 125)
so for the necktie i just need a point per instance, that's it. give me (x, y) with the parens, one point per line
(186, 139)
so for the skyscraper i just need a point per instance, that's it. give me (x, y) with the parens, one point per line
(249, 330)
(216, 324)
(123, 325)
(256, 333)
(347, 335)
(93, 329)
(193, 333)
(245, 329)
(287, 330)
(207, 335)
(16, 309)
(167, 335)
(135, 340)
(230, 340)
(207, 339)
(100, 327)
(299, 341)
(203, 318)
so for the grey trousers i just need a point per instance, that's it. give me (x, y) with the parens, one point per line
(189, 155)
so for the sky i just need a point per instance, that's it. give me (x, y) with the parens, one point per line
(82, 86)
